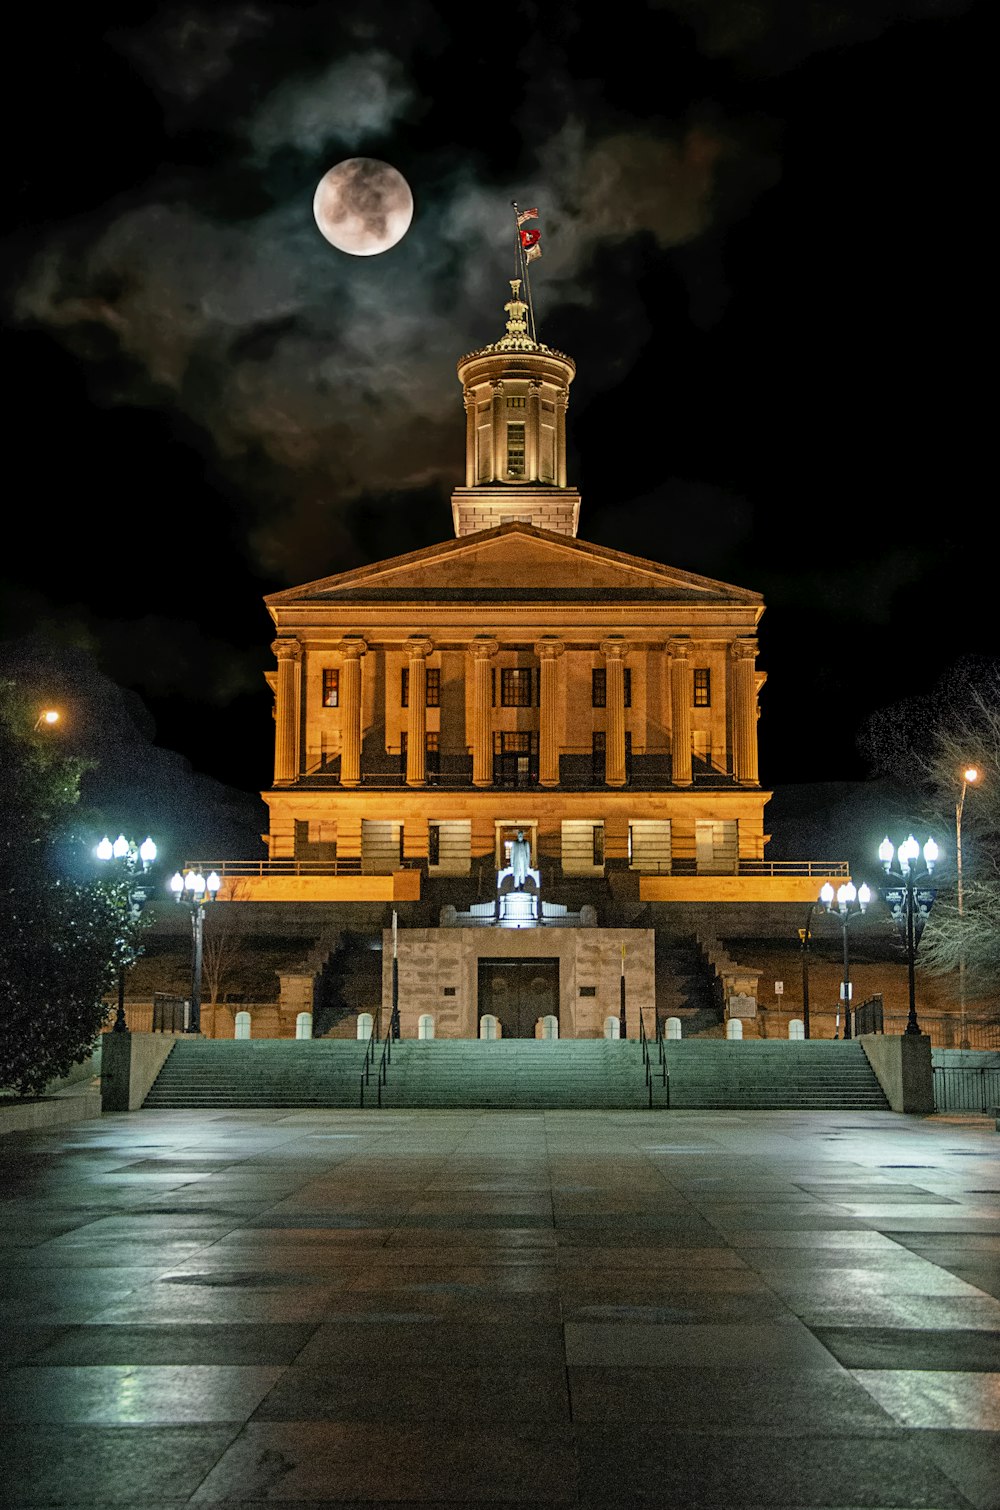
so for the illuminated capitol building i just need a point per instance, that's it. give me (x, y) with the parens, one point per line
(526, 765)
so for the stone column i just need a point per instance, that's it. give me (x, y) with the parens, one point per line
(418, 649)
(471, 406)
(681, 698)
(351, 649)
(533, 431)
(499, 433)
(744, 656)
(614, 651)
(562, 404)
(548, 651)
(286, 710)
(482, 651)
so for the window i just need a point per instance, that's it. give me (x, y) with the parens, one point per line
(598, 843)
(515, 450)
(432, 697)
(515, 759)
(599, 687)
(516, 403)
(331, 689)
(433, 844)
(702, 688)
(516, 687)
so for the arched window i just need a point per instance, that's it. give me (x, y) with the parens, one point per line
(425, 1025)
(489, 1026)
(673, 1027)
(612, 1027)
(548, 1026)
(304, 1025)
(243, 1025)
(796, 1028)
(365, 1024)
(734, 1029)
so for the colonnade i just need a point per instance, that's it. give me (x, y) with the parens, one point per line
(482, 651)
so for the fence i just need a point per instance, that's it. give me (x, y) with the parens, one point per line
(961, 1088)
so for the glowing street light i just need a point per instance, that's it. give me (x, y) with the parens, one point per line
(133, 860)
(46, 719)
(969, 778)
(909, 904)
(196, 891)
(851, 902)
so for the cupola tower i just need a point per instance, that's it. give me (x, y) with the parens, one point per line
(516, 394)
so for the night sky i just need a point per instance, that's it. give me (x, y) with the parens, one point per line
(764, 243)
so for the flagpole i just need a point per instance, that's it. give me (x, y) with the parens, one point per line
(523, 265)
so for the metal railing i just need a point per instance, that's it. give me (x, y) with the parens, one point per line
(647, 1058)
(348, 866)
(381, 1072)
(353, 865)
(966, 1088)
(773, 868)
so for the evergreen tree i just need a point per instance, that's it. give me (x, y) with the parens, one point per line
(63, 936)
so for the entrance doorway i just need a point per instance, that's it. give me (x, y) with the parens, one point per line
(518, 992)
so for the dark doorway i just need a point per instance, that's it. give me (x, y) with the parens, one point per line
(518, 992)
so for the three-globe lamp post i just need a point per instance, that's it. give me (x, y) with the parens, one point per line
(132, 860)
(845, 904)
(195, 891)
(909, 903)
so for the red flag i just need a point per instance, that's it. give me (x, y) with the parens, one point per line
(530, 238)
(523, 215)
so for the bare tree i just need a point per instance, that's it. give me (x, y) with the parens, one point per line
(224, 944)
(928, 744)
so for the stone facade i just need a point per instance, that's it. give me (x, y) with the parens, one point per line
(431, 705)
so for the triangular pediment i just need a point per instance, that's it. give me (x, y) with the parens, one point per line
(519, 563)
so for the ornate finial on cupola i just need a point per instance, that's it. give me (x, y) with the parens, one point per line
(517, 337)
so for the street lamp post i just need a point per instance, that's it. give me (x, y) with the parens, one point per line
(969, 777)
(133, 861)
(805, 940)
(851, 902)
(909, 903)
(195, 891)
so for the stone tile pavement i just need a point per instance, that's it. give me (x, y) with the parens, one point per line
(713, 1311)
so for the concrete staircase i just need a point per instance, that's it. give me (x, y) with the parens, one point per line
(590, 1074)
(527, 1073)
(228, 1072)
(772, 1075)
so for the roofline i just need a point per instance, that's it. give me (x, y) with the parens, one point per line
(465, 543)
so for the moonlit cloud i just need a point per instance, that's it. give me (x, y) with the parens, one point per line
(352, 100)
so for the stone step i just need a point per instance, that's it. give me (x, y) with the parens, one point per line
(599, 1073)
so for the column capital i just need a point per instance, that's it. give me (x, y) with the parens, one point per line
(615, 649)
(496, 384)
(549, 648)
(352, 647)
(743, 650)
(418, 646)
(679, 650)
(287, 648)
(483, 649)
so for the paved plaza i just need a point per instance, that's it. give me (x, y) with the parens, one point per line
(694, 1309)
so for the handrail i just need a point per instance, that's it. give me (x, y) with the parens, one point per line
(369, 1058)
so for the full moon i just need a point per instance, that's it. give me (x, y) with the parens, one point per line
(363, 206)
